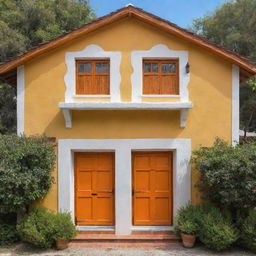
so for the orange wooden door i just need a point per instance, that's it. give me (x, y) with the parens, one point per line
(152, 188)
(94, 188)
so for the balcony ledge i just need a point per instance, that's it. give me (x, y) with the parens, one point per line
(68, 107)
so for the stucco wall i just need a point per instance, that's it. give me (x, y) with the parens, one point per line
(209, 89)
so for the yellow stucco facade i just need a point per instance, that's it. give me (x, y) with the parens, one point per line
(210, 92)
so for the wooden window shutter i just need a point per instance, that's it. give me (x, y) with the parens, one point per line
(161, 77)
(92, 77)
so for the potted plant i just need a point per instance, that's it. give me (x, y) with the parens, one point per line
(186, 223)
(188, 233)
(64, 230)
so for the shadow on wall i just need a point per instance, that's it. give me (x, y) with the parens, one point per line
(110, 124)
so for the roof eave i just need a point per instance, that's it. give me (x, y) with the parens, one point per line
(119, 14)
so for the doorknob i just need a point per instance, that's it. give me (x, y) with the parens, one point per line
(137, 191)
(94, 194)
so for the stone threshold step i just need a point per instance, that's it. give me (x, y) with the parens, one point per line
(137, 245)
(125, 237)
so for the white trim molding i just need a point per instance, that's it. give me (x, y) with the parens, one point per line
(93, 52)
(159, 51)
(235, 104)
(68, 107)
(123, 172)
(20, 99)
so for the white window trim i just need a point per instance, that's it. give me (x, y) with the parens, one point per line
(93, 52)
(160, 95)
(162, 52)
(91, 96)
(20, 99)
(123, 172)
(235, 104)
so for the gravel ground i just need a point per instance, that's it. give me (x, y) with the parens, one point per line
(21, 249)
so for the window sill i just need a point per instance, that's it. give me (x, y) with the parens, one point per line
(68, 107)
(91, 96)
(161, 95)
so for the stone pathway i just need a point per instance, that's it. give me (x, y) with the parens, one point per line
(21, 249)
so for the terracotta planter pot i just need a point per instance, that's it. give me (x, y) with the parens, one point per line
(62, 243)
(188, 240)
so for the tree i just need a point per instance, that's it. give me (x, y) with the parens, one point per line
(228, 173)
(26, 164)
(7, 109)
(247, 108)
(27, 23)
(233, 26)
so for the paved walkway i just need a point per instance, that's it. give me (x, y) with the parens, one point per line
(20, 249)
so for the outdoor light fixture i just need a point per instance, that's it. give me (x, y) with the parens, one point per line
(187, 68)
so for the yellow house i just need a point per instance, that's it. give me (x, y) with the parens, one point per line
(127, 97)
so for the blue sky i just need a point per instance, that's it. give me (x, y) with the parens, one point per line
(180, 12)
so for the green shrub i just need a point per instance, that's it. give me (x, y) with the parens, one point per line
(26, 164)
(188, 228)
(8, 233)
(38, 228)
(228, 173)
(64, 227)
(248, 231)
(42, 227)
(208, 223)
(215, 232)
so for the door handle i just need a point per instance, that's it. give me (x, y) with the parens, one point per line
(137, 191)
(94, 194)
(107, 191)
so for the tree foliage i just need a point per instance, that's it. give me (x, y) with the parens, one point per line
(233, 26)
(247, 108)
(25, 171)
(7, 109)
(27, 23)
(228, 173)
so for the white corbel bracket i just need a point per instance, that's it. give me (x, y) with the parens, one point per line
(183, 117)
(68, 117)
(67, 108)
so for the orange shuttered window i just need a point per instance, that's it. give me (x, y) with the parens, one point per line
(160, 77)
(92, 77)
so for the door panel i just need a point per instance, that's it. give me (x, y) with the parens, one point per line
(152, 188)
(94, 188)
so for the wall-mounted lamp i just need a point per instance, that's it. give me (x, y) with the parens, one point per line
(187, 68)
